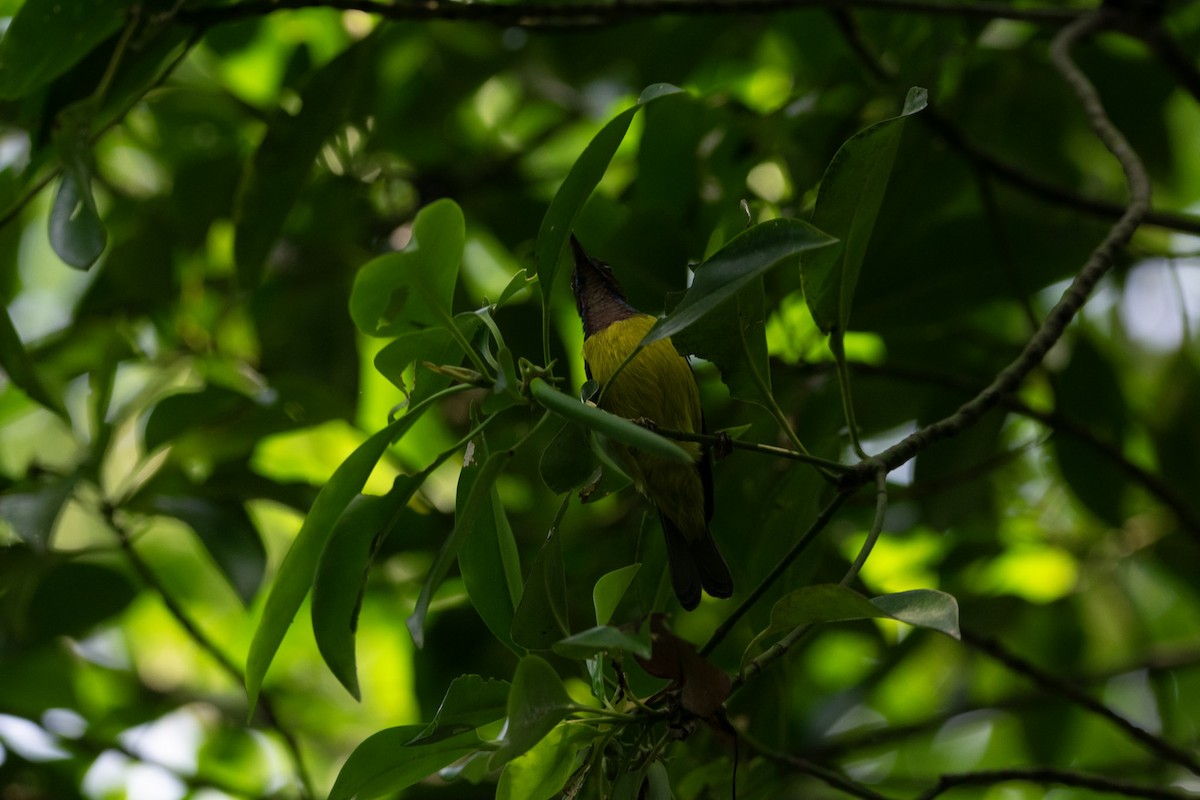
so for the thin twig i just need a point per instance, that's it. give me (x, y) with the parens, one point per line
(828, 776)
(1045, 775)
(593, 14)
(177, 611)
(816, 527)
(1153, 483)
(753, 447)
(881, 502)
(1077, 293)
(1055, 685)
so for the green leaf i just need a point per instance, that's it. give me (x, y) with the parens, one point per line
(388, 762)
(848, 202)
(283, 162)
(299, 566)
(609, 590)
(612, 426)
(582, 179)
(226, 532)
(414, 288)
(21, 370)
(541, 617)
(341, 576)
(922, 608)
(602, 638)
(469, 702)
(747, 257)
(489, 561)
(74, 597)
(1088, 392)
(76, 232)
(541, 773)
(465, 520)
(32, 508)
(433, 345)
(567, 462)
(536, 703)
(48, 37)
(658, 783)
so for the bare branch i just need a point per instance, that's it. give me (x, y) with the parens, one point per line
(1076, 294)
(1054, 684)
(1078, 780)
(594, 15)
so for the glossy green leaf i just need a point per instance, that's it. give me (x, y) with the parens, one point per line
(488, 559)
(413, 288)
(76, 232)
(341, 575)
(541, 616)
(435, 346)
(922, 608)
(469, 702)
(602, 639)
(283, 162)
(21, 370)
(848, 202)
(536, 703)
(540, 773)
(296, 574)
(609, 590)
(658, 783)
(567, 462)
(612, 426)
(386, 762)
(746, 258)
(585, 174)
(465, 520)
(48, 37)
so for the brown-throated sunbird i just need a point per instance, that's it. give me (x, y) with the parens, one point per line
(656, 385)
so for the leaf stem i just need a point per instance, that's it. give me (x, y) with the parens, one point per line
(836, 346)
(753, 447)
(881, 502)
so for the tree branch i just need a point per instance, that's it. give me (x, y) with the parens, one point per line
(594, 15)
(1055, 685)
(177, 611)
(1056, 776)
(1076, 294)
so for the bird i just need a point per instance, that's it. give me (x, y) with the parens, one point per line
(656, 388)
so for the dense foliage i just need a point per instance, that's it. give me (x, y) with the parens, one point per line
(298, 497)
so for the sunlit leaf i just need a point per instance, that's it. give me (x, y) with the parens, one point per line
(540, 773)
(342, 575)
(296, 574)
(413, 288)
(609, 590)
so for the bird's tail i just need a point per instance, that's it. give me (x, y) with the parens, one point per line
(695, 565)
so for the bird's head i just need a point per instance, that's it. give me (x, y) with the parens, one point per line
(599, 297)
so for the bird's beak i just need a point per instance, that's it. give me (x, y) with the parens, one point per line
(581, 256)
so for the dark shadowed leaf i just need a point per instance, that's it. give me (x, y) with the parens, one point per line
(21, 370)
(541, 616)
(747, 257)
(74, 597)
(283, 162)
(536, 703)
(465, 519)
(609, 590)
(32, 507)
(386, 762)
(47, 37)
(567, 462)
(585, 174)
(602, 639)
(847, 204)
(470, 702)
(76, 232)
